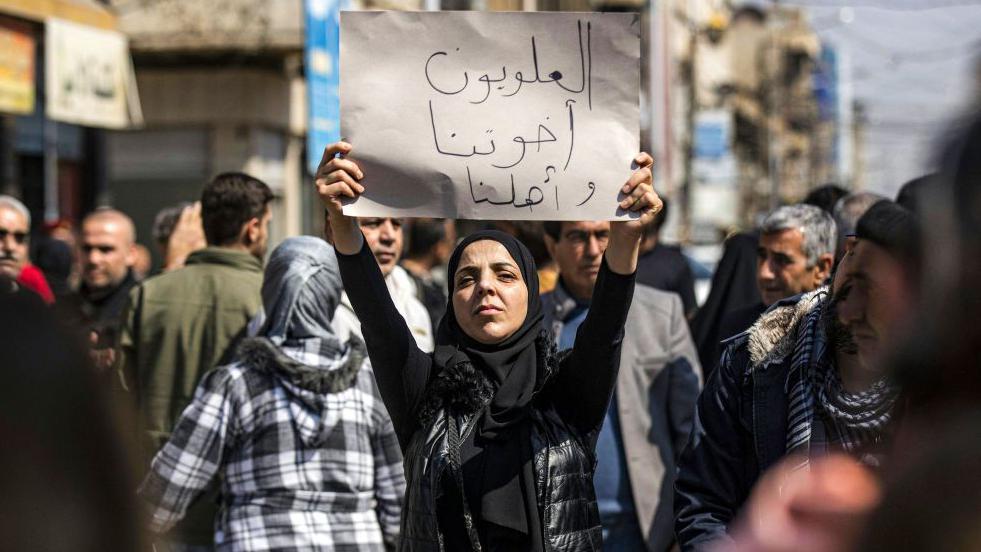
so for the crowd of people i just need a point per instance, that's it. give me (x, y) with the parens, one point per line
(519, 386)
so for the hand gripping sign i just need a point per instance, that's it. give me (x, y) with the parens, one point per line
(491, 115)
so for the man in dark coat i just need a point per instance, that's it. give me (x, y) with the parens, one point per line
(805, 379)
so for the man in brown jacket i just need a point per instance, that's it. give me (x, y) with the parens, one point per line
(183, 323)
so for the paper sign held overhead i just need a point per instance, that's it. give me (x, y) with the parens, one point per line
(491, 115)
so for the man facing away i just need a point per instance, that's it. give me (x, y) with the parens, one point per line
(651, 412)
(806, 379)
(384, 237)
(15, 231)
(795, 255)
(181, 324)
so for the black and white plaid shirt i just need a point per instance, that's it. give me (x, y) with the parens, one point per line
(299, 470)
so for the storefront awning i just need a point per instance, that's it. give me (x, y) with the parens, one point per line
(84, 12)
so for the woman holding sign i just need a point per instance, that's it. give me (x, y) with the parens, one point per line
(497, 429)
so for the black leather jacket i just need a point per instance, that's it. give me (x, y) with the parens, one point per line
(564, 467)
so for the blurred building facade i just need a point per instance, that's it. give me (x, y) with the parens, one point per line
(762, 112)
(742, 107)
(222, 89)
(65, 77)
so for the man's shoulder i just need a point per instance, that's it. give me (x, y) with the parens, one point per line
(665, 254)
(548, 297)
(740, 320)
(651, 301)
(193, 276)
(770, 340)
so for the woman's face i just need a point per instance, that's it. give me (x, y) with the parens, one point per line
(490, 298)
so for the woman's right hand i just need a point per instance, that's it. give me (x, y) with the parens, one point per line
(338, 178)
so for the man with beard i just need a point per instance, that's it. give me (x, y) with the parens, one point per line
(181, 324)
(806, 379)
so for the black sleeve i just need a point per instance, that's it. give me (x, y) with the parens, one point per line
(587, 376)
(711, 483)
(401, 368)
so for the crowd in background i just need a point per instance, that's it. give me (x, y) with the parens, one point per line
(824, 396)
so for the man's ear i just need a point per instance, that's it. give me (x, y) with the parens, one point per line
(130, 258)
(824, 265)
(252, 230)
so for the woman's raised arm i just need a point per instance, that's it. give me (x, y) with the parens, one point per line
(401, 369)
(595, 358)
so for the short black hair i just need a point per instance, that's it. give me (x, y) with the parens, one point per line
(166, 220)
(553, 229)
(229, 201)
(894, 228)
(424, 234)
(825, 197)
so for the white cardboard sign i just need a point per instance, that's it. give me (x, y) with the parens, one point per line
(483, 115)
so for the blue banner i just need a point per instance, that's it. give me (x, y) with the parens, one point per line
(322, 58)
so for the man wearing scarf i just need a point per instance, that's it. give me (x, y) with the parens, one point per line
(806, 379)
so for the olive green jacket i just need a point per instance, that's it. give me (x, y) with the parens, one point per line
(178, 326)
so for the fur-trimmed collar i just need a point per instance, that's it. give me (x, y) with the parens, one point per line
(773, 336)
(462, 389)
(331, 375)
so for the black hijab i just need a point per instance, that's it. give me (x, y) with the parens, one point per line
(733, 287)
(498, 489)
(512, 365)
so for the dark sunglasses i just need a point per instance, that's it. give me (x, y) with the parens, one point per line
(19, 237)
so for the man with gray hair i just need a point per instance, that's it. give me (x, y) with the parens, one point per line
(796, 251)
(15, 229)
(807, 380)
(795, 255)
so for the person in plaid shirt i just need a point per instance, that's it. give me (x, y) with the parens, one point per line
(295, 428)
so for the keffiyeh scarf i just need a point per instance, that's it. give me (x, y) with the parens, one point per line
(814, 389)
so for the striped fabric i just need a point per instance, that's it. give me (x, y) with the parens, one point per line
(810, 350)
(816, 395)
(858, 419)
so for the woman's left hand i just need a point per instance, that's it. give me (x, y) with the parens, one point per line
(639, 197)
(625, 235)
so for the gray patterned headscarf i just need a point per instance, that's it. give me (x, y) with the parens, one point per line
(300, 291)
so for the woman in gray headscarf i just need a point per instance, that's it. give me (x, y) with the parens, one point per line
(295, 427)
